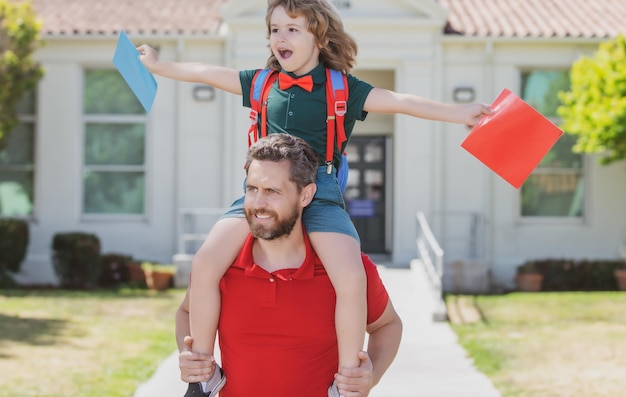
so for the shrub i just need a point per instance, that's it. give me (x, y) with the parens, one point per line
(575, 274)
(14, 238)
(114, 269)
(76, 259)
(529, 267)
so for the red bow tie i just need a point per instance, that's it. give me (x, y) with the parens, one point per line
(285, 81)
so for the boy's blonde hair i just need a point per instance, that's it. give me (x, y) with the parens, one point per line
(337, 48)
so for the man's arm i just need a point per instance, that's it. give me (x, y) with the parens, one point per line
(182, 322)
(194, 367)
(384, 340)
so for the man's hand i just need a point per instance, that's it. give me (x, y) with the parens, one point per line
(195, 367)
(356, 382)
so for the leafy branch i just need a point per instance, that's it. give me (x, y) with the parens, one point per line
(19, 73)
(595, 107)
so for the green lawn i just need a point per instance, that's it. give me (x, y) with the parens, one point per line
(549, 344)
(104, 343)
(89, 343)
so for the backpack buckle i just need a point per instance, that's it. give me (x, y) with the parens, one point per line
(340, 108)
(254, 116)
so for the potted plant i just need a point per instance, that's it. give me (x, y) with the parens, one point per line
(136, 274)
(620, 276)
(528, 277)
(158, 276)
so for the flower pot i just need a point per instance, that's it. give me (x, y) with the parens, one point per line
(135, 273)
(620, 277)
(529, 282)
(156, 280)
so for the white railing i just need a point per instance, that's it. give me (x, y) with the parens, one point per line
(462, 232)
(193, 227)
(431, 256)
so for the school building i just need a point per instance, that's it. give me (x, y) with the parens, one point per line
(149, 185)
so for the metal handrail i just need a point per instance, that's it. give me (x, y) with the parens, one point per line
(431, 256)
(187, 226)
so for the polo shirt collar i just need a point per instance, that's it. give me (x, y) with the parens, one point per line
(306, 271)
(318, 73)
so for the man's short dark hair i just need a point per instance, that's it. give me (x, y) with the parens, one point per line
(277, 147)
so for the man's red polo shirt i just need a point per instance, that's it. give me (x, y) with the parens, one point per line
(277, 330)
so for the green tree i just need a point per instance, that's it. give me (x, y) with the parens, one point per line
(595, 107)
(19, 73)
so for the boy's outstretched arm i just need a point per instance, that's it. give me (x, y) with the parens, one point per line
(385, 101)
(226, 79)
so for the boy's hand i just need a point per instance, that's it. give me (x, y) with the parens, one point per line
(195, 367)
(474, 112)
(148, 56)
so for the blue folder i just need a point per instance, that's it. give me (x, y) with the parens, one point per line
(138, 78)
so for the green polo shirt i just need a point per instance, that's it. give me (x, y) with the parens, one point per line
(303, 114)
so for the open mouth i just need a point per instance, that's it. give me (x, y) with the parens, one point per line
(262, 215)
(284, 54)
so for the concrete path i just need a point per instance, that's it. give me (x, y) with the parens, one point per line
(430, 362)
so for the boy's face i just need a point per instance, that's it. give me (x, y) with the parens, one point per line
(291, 42)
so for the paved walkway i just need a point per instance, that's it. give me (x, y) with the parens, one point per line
(430, 362)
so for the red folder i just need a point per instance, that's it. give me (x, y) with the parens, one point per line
(513, 139)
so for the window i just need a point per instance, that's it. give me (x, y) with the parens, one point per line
(556, 187)
(114, 146)
(17, 163)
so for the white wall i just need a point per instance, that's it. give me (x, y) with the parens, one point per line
(59, 160)
(471, 188)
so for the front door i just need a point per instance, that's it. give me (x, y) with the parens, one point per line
(366, 191)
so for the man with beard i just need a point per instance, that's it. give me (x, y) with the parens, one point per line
(277, 323)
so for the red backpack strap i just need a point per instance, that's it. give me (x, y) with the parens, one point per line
(261, 83)
(266, 91)
(337, 106)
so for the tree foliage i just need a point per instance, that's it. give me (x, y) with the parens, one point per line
(19, 73)
(595, 107)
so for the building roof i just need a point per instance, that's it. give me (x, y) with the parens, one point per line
(105, 17)
(593, 19)
(590, 19)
